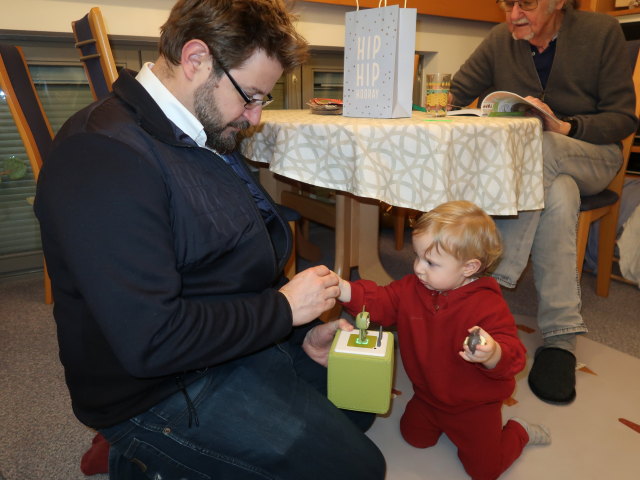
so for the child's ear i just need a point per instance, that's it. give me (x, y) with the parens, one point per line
(471, 267)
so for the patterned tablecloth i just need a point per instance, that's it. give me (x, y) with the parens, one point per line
(412, 162)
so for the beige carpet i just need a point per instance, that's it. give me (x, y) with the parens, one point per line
(589, 439)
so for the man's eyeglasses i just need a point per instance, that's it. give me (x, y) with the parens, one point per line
(250, 102)
(526, 5)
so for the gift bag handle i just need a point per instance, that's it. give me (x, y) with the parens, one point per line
(379, 4)
(385, 3)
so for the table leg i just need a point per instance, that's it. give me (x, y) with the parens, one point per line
(368, 242)
(345, 257)
(270, 183)
(357, 238)
(343, 247)
(356, 235)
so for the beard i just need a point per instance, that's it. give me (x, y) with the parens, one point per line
(527, 36)
(210, 116)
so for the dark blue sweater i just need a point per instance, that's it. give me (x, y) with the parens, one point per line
(160, 261)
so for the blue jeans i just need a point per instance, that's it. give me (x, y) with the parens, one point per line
(264, 416)
(571, 168)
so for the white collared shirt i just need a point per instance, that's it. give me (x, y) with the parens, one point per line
(189, 124)
(171, 106)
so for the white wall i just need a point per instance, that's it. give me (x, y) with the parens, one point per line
(446, 42)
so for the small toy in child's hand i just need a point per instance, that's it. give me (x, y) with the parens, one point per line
(474, 339)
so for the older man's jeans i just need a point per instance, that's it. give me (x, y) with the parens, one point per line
(571, 168)
(259, 417)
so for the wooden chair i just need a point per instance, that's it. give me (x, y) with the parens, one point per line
(605, 207)
(28, 115)
(91, 39)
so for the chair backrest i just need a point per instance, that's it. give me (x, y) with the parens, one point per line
(24, 104)
(616, 184)
(92, 43)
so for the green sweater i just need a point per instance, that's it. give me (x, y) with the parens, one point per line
(590, 79)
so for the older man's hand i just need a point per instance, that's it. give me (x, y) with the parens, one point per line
(549, 125)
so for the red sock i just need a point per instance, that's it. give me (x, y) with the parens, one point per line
(96, 459)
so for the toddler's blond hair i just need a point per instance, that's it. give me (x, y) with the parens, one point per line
(463, 230)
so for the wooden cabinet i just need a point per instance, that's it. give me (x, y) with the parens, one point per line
(597, 5)
(609, 6)
(484, 10)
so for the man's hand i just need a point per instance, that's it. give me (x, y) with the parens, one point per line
(549, 125)
(310, 293)
(318, 340)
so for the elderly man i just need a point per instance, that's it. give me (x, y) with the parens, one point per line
(180, 340)
(573, 64)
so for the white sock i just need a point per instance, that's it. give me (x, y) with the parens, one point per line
(538, 434)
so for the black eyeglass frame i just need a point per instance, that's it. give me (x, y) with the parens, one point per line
(507, 5)
(249, 102)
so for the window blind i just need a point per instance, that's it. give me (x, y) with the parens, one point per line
(63, 90)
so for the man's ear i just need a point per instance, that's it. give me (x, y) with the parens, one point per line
(195, 58)
(471, 267)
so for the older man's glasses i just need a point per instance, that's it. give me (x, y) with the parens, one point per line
(526, 5)
(249, 102)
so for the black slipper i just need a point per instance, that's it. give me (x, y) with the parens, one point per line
(553, 375)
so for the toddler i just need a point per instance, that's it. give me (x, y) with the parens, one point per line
(458, 388)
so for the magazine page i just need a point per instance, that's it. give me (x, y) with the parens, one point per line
(465, 112)
(503, 104)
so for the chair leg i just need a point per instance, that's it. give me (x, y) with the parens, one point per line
(48, 292)
(582, 235)
(290, 267)
(399, 217)
(606, 247)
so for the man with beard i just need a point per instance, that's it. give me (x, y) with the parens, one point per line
(182, 343)
(574, 65)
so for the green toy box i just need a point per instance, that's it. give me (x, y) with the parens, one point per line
(360, 376)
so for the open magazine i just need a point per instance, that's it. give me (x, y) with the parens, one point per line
(502, 104)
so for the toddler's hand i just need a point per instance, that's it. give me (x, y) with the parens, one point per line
(345, 290)
(488, 352)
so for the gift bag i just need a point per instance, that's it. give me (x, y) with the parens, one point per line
(379, 54)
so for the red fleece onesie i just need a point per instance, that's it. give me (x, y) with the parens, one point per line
(452, 396)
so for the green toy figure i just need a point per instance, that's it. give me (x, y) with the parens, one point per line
(362, 323)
